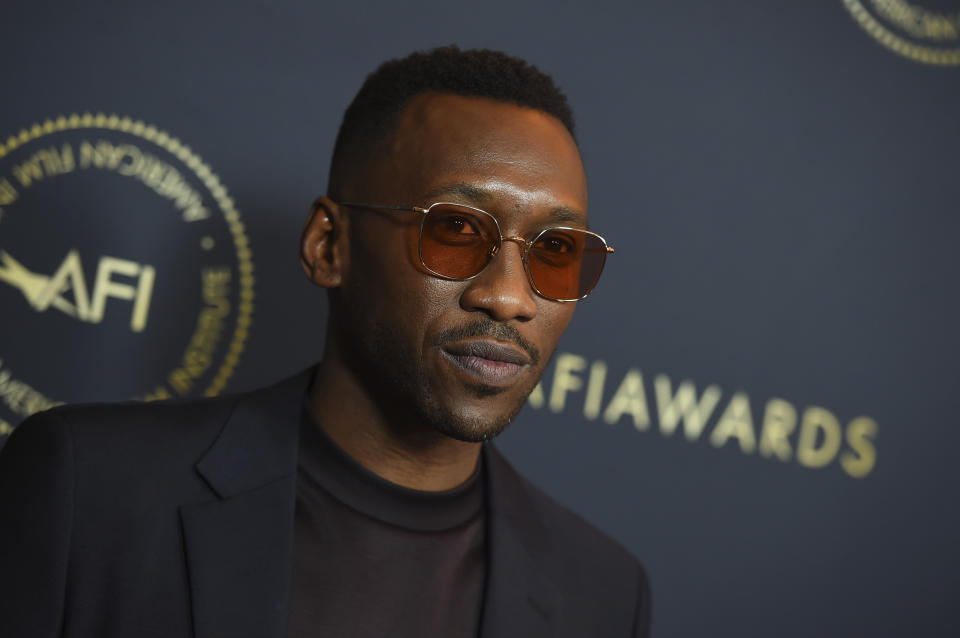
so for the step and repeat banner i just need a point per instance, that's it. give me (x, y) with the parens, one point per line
(761, 397)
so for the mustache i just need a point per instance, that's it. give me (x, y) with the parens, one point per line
(487, 327)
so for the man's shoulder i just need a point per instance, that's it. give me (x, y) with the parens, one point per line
(584, 548)
(135, 423)
(165, 413)
(603, 586)
(117, 446)
(569, 526)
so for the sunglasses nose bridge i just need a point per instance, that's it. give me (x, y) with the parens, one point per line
(519, 241)
(524, 246)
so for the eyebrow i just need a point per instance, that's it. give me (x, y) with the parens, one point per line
(480, 198)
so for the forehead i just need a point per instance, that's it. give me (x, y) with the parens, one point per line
(513, 159)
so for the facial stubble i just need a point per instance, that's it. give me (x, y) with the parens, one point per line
(396, 377)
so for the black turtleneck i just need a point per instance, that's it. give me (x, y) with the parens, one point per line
(372, 558)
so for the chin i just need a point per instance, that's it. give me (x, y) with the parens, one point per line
(476, 425)
(475, 432)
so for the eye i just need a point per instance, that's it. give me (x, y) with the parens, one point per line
(556, 244)
(452, 226)
(558, 249)
(459, 225)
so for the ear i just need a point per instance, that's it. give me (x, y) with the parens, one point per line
(323, 245)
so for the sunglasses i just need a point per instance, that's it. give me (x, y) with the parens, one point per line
(457, 242)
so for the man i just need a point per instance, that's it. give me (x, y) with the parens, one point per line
(358, 498)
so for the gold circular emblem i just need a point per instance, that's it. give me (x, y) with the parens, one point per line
(124, 267)
(915, 32)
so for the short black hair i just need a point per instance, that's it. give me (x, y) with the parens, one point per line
(473, 73)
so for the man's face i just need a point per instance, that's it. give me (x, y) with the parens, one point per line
(461, 356)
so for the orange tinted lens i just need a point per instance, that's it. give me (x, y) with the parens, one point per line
(566, 264)
(456, 241)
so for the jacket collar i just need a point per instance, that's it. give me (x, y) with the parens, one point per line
(521, 598)
(239, 546)
(258, 443)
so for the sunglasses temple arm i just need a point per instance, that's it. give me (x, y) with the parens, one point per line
(408, 209)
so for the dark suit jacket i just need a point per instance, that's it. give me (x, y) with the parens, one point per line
(176, 519)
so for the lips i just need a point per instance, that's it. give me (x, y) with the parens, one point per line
(489, 362)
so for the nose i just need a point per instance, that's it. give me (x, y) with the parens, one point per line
(502, 290)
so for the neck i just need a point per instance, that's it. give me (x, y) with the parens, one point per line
(395, 446)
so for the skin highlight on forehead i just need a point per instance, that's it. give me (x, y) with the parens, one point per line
(482, 196)
(435, 140)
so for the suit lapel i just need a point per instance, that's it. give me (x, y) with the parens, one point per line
(239, 555)
(239, 547)
(521, 597)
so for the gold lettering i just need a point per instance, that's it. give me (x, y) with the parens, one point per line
(180, 380)
(28, 172)
(779, 420)
(158, 393)
(138, 320)
(564, 379)
(130, 161)
(42, 291)
(195, 211)
(133, 154)
(55, 163)
(46, 162)
(860, 434)
(94, 156)
(8, 194)
(598, 375)
(153, 174)
(684, 405)
(173, 187)
(20, 398)
(216, 288)
(536, 398)
(67, 162)
(816, 420)
(69, 276)
(184, 197)
(737, 422)
(105, 286)
(50, 161)
(199, 354)
(629, 399)
(820, 434)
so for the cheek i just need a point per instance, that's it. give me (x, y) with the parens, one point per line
(556, 317)
(385, 267)
(409, 304)
(438, 302)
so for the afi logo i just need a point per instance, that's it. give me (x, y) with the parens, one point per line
(44, 291)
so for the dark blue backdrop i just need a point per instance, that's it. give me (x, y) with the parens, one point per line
(780, 182)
